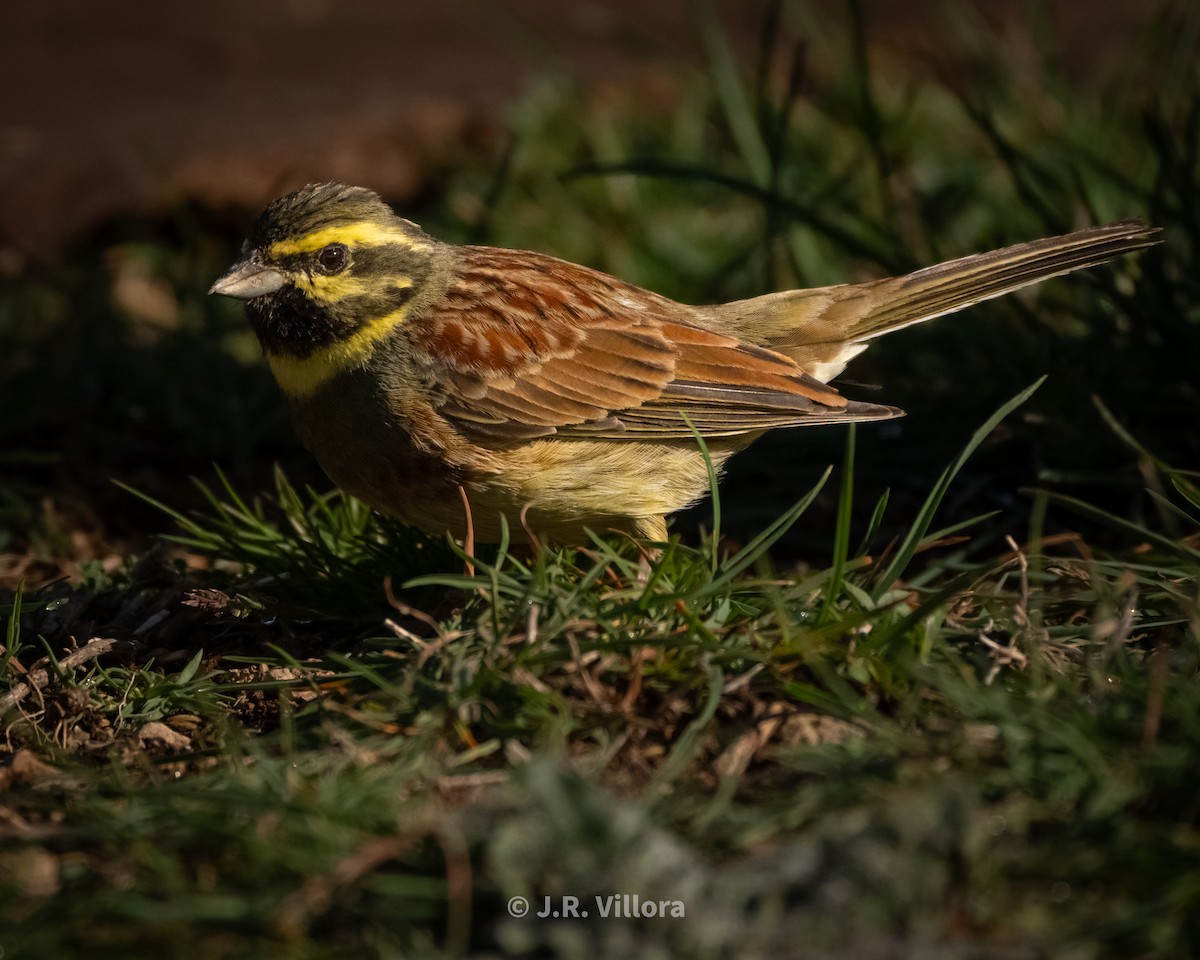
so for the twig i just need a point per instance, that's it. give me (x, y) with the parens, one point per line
(458, 887)
(635, 680)
(96, 647)
(1021, 611)
(1124, 624)
(316, 895)
(408, 611)
(427, 648)
(531, 622)
(1012, 654)
(589, 682)
(1159, 661)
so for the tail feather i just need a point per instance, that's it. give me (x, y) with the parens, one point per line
(823, 328)
(947, 287)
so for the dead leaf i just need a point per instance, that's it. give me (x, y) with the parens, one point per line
(159, 733)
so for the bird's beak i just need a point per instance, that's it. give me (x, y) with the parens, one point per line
(248, 279)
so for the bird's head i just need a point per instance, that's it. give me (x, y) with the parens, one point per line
(326, 272)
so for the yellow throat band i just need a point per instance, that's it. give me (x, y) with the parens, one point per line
(303, 376)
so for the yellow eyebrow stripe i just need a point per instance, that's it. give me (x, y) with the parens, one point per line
(302, 376)
(361, 234)
(343, 286)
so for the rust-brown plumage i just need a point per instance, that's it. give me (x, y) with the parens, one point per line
(528, 346)
(527, 384)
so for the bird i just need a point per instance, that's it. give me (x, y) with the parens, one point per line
(472, 390)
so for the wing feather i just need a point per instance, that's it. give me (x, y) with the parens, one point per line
(524, 346)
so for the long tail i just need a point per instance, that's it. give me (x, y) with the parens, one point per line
(823, 328)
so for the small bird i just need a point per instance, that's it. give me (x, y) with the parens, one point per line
(451, 385)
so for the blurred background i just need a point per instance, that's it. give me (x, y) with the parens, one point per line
(706, 150)
(132, 109)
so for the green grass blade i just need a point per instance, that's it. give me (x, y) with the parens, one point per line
(685, 747)
(713, 490)
(873, 524)
(731, 92)
(760, 544)
(1178, 548)
(12, 631)
(916, 533)
(841, 537)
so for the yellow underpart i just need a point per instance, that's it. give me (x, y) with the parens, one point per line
(343, 286)
(360, 234)
(302, 376)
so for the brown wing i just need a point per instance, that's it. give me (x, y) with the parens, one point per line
(524, 345)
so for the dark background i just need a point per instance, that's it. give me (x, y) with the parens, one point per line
(129, 108)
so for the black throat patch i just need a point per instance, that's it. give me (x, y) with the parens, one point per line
(289, 323)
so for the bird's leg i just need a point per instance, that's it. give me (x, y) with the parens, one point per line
(535, 543)
(469, 537)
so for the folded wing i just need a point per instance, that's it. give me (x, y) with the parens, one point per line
(524, 345)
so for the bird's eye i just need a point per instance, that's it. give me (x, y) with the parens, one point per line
(332, 259)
